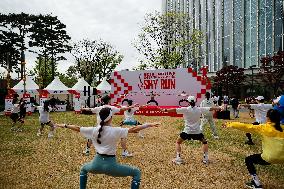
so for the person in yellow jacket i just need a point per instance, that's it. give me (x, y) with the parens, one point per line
(272, 144)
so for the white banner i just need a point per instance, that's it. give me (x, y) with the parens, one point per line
(165, 87)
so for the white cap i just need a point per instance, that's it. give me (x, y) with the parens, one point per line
(275, 101)
(191, 98)
(259, 98)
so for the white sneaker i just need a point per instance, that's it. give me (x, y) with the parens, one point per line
(19, 130)
(178, 161)
(216, 137)
(87, 152)
(39, 133)
(50, 135)
(205, 161)
(140, 135)
(13, 129)
(126, 154)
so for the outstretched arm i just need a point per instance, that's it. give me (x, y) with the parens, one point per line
(169, 110)
(141, 127)
(72, 127)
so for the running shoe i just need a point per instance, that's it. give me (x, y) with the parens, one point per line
(216, 137)
(126, 154)
(50, 134)
(252, 184)
(178, 161)
(87, 152)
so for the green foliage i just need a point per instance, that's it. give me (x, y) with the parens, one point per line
(166, 39)
(95, 59)
(42, 72)
(70, 78)
(41, 34)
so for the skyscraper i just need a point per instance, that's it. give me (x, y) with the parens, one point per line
(237, 32)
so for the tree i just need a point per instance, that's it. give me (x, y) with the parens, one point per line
(42, 72)
(272, 71)
(13, 34)
(95, 59)
(49, 37)
(229, 78)
(70, 78)
(166, 39)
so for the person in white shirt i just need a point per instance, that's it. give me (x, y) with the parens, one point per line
(129, 117)
(260, 111)
(15, 116)
(106, 101)
(184, 96)
(192, 130)
(104, 138)
(44, 119)
(208, 117)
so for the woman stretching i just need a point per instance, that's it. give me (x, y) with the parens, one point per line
(44, 119)
(272, 144)
(129, 117)
(105, 139)
(192, 129)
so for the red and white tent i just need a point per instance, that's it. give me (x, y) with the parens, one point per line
(57, 87)
(31, 86)
(104, 86)
(79, 86)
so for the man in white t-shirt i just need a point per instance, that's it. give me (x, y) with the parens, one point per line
(208, 117)
(192, 130)
(106, 101)
(260, 111)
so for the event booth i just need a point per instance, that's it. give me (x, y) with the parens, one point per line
(57, 93)
(83, 95)
(104, 87)
(28, 92)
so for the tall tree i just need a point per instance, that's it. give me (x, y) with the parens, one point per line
(95, 59)
(229, 78)
(69, 78)
(13, 35)
(42, 72)
(272, 72)
(166, 39)
(49, 37)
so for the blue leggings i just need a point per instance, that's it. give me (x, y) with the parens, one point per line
(109, 166)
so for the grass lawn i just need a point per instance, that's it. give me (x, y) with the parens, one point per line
(28, 161)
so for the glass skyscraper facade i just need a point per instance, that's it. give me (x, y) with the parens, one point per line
(237, 32)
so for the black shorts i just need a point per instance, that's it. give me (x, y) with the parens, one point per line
(186, 136)
(14, 117)
(42, 124)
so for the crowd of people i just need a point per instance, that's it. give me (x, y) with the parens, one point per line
(104, 136)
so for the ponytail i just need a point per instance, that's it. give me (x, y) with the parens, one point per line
(105, 115)
(130, 102)
(100, 130)
(274, 117)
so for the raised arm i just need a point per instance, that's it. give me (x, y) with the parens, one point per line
(141, 127)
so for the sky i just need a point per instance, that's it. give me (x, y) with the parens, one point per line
(117, 22)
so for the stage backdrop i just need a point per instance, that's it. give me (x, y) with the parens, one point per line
(164, 85)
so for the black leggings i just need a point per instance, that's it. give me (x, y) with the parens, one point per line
(254, 159)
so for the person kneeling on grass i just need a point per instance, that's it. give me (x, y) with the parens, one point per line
(105, 138)
(272, 144)
(129, 117)
(192, 129)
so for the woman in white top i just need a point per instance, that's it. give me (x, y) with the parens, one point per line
(44, 119)
(15, 116)
(129, 117)
(105, 139)
(192, 129)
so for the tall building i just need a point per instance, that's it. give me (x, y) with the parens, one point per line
(237, 32)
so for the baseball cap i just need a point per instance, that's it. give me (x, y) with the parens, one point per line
(259, 98)
(191, 98)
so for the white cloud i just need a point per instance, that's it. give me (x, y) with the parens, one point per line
(114, 21)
